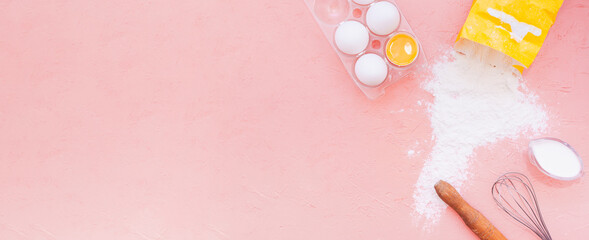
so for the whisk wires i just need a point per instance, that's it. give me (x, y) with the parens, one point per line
(513, 192)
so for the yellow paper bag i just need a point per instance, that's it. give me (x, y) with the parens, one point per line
(517, 28)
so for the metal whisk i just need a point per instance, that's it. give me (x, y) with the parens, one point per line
(514, 193)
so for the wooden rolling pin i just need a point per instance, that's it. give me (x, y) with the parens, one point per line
(478, 223)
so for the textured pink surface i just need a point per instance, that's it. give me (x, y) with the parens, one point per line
(236, 120)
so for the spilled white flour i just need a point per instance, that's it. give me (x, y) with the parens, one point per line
(410, 152)
(475, 104)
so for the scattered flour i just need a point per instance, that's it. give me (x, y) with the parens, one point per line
(474, 104)
(410, 152)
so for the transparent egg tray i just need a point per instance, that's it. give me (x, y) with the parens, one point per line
(379, 51)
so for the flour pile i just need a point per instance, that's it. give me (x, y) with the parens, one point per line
(475, 104)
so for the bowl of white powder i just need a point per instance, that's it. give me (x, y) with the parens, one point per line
(555, 158)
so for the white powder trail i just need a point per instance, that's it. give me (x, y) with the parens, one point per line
(474, 104)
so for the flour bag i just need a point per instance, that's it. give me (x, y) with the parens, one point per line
(516, 28)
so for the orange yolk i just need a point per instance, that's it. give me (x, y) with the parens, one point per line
(401, 49)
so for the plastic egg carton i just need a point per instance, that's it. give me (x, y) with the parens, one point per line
(350, 42)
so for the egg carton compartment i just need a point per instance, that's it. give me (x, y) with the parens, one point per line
(357, 43)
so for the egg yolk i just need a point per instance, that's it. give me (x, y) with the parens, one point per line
(401, 49)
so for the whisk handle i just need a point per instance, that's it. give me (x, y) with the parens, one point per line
(478, 223)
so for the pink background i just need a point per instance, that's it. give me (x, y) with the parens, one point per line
(235, 120)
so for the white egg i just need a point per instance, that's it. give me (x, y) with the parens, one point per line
(363, 2)
(371, 70)
(351, 37)
(383, 18)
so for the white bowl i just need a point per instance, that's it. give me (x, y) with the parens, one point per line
(552, 165)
